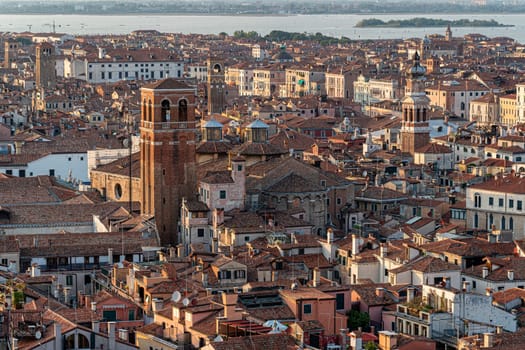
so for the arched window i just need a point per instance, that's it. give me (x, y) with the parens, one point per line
(144, 110)
(491, 221)
(503, 222)
(476, 220)
(165, 111)
(150, 112)
(511, 224)
(183, 110)
(83, 342)
(477, 200)
(462, 106)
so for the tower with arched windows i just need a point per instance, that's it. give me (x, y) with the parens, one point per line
(167, 163)
(415, 131)
(216, 86)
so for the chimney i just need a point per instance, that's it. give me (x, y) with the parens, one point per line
(58, 336)
(330, 235)
(218, 321)
(344, 337)
(356, 340)
(110, 256)
(67, 294)
(466, 286)
(230, 307)
(380, 292)
(94, 306)
(510, 275)
(215, 245)
(488, 291)
(111, 336)
(35, 270)
(355, 244)
(388, 339)
(123, 334)
(499, 329)
(12, 266)
(157, 305)
(95, 326)
(180, 251)
(204, 279)
(488, 340)
(317, 277)
(411, 293)
(172, 252)
(383, 250)
(447, 282)
(485, 272)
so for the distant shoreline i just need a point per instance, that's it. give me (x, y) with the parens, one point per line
(422, 22)
(190, 14)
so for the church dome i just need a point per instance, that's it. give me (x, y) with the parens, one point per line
(416, 70)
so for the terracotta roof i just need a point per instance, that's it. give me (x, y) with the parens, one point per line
(121, 166)
(499, 268)
(260, 149)
(168, 84)
(506, 296)
(294, 183)
(368, 295)
(469, 247)
(264, 341)
(218, 177)
(211, 147)
(509, 184)
(80, 244)
(427, 264)
(32, 190)
(433, 148)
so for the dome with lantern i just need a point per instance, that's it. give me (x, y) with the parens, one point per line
(416, 70)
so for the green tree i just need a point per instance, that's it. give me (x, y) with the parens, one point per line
(358, 319)
(370, 346)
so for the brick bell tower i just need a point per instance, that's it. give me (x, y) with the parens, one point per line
(415, 131)
(216, 86)
(167, 159)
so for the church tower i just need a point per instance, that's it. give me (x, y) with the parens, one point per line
(167, 163)
(10, 52)
(216, 86)
(45, 74)
(415, 130)
(448, 34)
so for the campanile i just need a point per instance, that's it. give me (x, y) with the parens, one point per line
(167, 160)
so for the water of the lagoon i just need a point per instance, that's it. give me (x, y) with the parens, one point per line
(332, 25)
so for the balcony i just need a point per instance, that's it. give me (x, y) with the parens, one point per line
(417, 310)
(168, 125)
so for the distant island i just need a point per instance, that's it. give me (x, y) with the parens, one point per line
(428, 22)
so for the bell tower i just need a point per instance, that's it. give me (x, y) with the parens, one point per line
(167, 160)
(415, 131)
(216, 86)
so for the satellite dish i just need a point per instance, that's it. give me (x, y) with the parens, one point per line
(125, 143)
(176, 296)
(365, 173)
(185, 301)
(38, 335)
